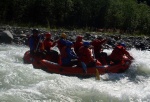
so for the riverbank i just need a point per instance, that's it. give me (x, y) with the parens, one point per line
(142, 42)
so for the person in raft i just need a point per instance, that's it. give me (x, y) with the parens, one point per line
(118, 52)
(98, 49)
(85, 55)
(62, 41)
(48, 43)
(67, 55)
(78, 43)
(34, 42)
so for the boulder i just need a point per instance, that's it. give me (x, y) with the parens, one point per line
(6, 37)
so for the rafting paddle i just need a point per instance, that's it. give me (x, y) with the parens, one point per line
(40, 38)
(97, 72)
(84, 67)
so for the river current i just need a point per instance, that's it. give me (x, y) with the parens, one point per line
(20, 82)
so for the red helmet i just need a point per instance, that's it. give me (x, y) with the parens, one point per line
(79, 38)
(48, 35)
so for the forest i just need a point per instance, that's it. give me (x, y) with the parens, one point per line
(132, 16)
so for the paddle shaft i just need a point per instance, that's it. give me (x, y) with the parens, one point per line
(97, 72)
(38, 43)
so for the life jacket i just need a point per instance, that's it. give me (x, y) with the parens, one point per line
(85, 55)
(33, 42)
(41, 46)
(77, 45)
(48, 44)
(117, 53)
(61, 43)
(97, 46)
(63, 52)
(66, 55)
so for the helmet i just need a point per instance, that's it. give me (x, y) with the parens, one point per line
(69, 43)
(48, 35)
(79, 38)
(63, 35)
(35, 31)
(86, 44)
(123, 44)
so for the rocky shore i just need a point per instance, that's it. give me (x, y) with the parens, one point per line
(19, 35)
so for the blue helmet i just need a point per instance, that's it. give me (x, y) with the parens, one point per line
(86, 44)
(69, 43)
(123, 44)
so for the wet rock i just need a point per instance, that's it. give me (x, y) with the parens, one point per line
(20, 35)
(6, 37)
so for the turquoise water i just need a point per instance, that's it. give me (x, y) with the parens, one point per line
(22, 83)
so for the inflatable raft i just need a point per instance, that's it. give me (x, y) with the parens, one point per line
(79, 71)
(53, 67)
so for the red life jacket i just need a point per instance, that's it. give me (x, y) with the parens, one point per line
(77, 45)
(97, 45)
(48, 44)
(63, 52)
(85, 55)
(117, 53)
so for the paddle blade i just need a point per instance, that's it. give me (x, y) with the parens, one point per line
(97, 74)
(84, 67)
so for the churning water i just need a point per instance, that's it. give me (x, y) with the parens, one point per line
(22, 83)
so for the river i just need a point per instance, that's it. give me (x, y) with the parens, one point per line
(20, 82)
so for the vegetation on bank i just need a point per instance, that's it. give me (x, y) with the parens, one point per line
(131, 16)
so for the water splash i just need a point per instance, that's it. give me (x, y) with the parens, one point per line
(22, 83)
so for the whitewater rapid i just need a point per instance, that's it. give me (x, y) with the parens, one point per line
(20, 82)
